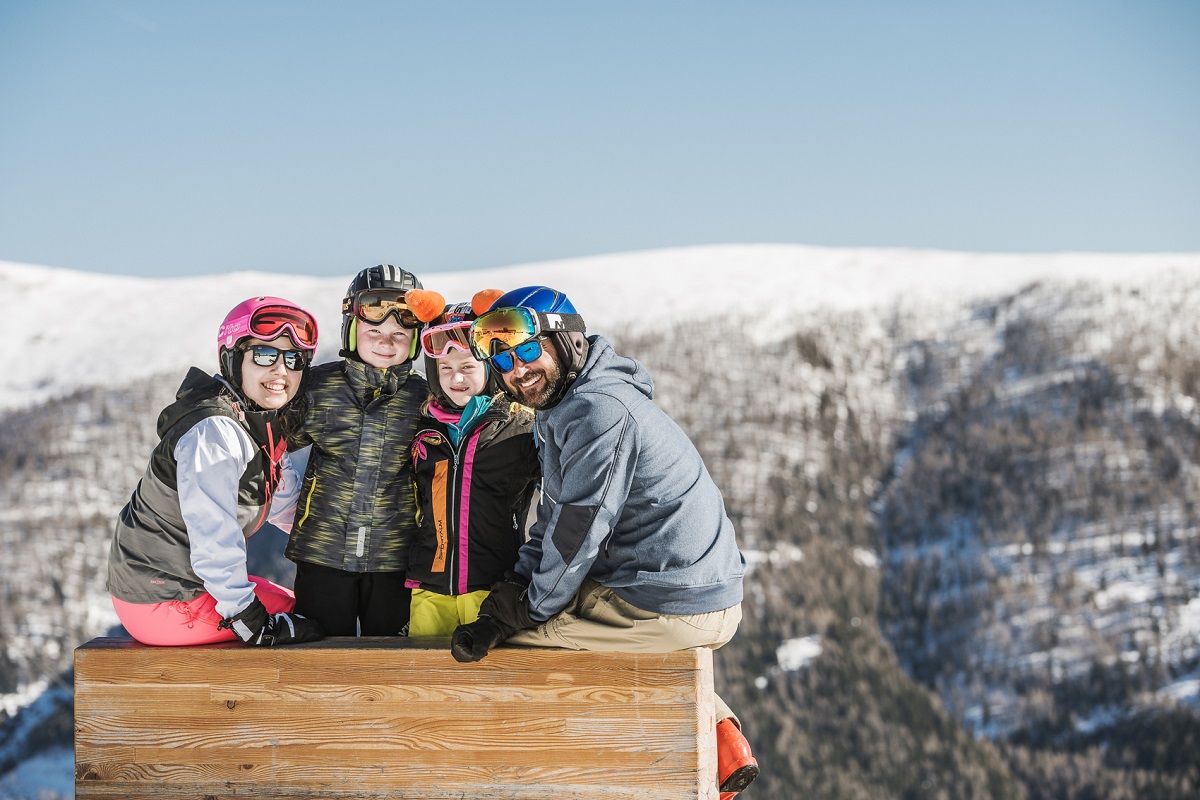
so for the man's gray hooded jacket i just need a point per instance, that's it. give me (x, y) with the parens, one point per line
(626, 500)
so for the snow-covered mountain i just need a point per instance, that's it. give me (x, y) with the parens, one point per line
(62, 329)
(871, 416)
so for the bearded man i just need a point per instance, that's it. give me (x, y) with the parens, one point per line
(632, 550)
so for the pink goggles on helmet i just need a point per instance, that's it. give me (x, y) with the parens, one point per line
(267, 318)
(441, 339)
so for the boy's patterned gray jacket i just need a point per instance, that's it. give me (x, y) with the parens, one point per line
(357, 510)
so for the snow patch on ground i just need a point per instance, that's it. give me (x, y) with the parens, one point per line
(865, 558)
(795, 654)
(14, 702)
(776, 556)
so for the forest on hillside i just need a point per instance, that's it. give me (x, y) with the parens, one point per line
(1043, 568)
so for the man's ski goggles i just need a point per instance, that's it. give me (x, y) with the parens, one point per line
(505, 328)
(376, 305)
(528, 352)
(265, 356)
(270, 322)
(440, 340)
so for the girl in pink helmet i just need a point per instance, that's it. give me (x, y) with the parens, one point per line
(177, 566)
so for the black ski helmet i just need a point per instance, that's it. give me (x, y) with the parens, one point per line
(380, 276)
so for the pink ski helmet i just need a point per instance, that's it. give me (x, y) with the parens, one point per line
(264, 318)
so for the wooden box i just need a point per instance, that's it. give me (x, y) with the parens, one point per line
(390, 718)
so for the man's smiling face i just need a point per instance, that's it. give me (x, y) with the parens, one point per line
(535, 383)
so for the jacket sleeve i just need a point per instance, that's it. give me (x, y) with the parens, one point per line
(287, 493)
(597, 453)
(210, 459)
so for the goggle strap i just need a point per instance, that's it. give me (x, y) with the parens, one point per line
(549, 323)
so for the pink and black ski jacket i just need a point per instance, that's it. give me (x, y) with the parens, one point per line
(473, 498)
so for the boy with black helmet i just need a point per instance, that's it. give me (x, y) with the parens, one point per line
(632, 549)
(477, 467)
(357, 512)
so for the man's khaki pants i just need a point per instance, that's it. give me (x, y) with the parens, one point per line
(596, 619)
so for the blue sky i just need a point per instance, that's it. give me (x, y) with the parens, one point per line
(182, 138)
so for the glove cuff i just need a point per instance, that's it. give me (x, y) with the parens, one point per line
(503, 627)
(509, 602)
(248, 623)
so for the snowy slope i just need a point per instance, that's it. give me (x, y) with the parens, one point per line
(62, 329)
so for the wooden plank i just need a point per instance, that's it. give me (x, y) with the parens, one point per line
(529, 730)
(349, 718)
(613, 690)
(234, 756)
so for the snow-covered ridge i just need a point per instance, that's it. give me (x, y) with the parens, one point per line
(63, 329)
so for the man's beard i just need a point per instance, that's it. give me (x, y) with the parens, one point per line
(546, 390)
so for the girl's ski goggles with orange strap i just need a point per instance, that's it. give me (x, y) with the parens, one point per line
(376, 305)
(506, 328)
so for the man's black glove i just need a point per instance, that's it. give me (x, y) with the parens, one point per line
(254, 626)
(509, 603)
(471, 642)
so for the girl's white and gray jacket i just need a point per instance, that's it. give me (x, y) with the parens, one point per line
(217, 474)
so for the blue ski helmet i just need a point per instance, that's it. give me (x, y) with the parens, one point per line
(537, 298)
(572, 347)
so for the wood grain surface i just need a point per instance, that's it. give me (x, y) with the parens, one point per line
(390, 718)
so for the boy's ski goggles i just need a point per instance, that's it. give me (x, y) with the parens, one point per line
(505, 328)
(269, 322)
(440, 340)
(265, 356)
(528, 352)
(376, 305)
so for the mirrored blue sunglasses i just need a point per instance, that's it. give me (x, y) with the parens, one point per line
(528, 352)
